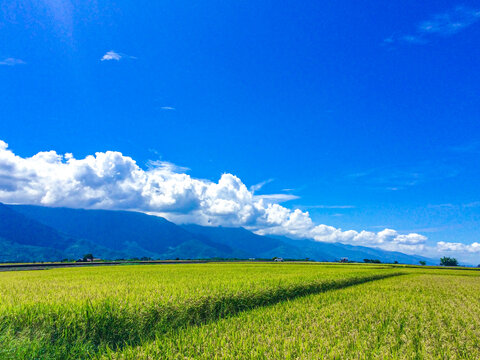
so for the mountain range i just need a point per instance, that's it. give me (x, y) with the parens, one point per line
(36, 233)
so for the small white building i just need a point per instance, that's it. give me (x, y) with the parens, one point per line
(278, 259)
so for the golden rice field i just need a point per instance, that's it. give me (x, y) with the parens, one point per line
(240, 311)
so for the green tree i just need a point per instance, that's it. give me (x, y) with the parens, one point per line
(88, 257)
(448, 261)
(423, 263)
(372, 261)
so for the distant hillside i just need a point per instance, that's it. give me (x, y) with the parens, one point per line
(248, 243)
(36, 233)
(113, 229)
(131, 233)
(23, 239)
(18, 228)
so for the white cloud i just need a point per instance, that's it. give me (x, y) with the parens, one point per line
(276, 198)
(167, 108)
(450, 23)
(414, 39)
(110, 180)
(166, 165)
(260, 185)
(458, 247)
(12, 62)
(113, 55)
(442, 24)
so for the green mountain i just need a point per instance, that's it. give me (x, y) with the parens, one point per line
(36, 233)
(23, 239)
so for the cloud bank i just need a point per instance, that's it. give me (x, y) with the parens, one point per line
(458, 247)
(110, 180)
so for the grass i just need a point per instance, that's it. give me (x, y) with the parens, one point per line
(200, 310)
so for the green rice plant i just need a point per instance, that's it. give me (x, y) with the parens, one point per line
(430, 314)
(82, 312)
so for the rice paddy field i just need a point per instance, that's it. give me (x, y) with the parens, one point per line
(240, 311)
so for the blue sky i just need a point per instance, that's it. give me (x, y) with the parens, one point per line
(365, 113)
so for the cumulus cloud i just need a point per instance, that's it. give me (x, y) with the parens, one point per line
(111, 180)
(458, 247)
(12, 62)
